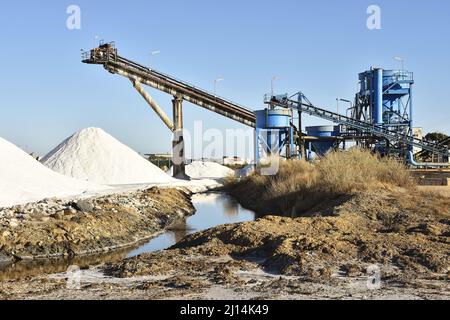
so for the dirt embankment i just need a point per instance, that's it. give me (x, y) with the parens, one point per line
(54, 228)
(315, 257)
(409, 232)
(299, 186)
(342, 217)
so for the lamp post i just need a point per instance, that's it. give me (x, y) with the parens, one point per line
(153, 53)
(274, 78)
(399, 59)
(216, 81)
(349, 102)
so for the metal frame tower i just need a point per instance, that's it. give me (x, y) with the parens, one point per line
(385, 100)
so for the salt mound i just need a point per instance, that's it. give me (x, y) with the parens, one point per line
(202, 169)
(23, 179)
(94, 155)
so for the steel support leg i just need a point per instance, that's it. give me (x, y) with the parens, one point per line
(301, 141)
(178, 151)
(152, 103)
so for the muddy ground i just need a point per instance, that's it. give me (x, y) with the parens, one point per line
(57, 228)
(389, 244)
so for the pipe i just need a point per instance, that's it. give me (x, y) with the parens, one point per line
(411, 114)
(378, 95)
(154, 105)
(414, 163)
(411, 159)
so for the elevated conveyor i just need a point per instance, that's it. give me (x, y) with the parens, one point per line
(361, 126)
(106, 55)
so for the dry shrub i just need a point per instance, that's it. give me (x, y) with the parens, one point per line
(293, 176)
(358, 169)
(301, 184)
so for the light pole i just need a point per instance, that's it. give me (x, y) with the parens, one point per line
(216, 81)
(153, 53)
(402, 62)
(274, 78)
(95, 41)
(349, 102)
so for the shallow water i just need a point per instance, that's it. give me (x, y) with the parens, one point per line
(213, 209)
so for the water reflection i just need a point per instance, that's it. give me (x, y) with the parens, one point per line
(213, 209)
(31, 268)
(230, 208)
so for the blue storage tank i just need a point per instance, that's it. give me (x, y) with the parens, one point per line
(273, 118)
(323, 147)
(274, 130)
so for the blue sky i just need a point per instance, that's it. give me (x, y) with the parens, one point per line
(317, 47)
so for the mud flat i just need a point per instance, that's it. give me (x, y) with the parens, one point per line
(329, 254)
(337, 252)
(56, 228)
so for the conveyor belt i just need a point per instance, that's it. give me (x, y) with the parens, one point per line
(107, 56)
(365, 127)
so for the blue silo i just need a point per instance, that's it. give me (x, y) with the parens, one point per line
(326, 138)
(274, 132)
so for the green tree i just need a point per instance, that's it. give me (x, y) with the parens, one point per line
(436, 137)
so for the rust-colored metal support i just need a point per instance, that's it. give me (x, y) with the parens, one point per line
(107, 56)
(178, 151)
(152, 103)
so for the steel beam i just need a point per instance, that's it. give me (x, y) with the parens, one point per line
(200, 99)
(152, 103)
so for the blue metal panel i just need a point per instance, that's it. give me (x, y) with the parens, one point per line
(261, 117)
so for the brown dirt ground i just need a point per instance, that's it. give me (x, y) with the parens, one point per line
(323, 255)
(408, 231)
(111, 225)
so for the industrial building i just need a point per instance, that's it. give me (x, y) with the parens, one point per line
(380, 118)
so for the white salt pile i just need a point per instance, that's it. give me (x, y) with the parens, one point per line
(203, 170)
(94, 155)
(23, 179)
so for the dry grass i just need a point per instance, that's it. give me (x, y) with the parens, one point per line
(299, 185)
(357, 169)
